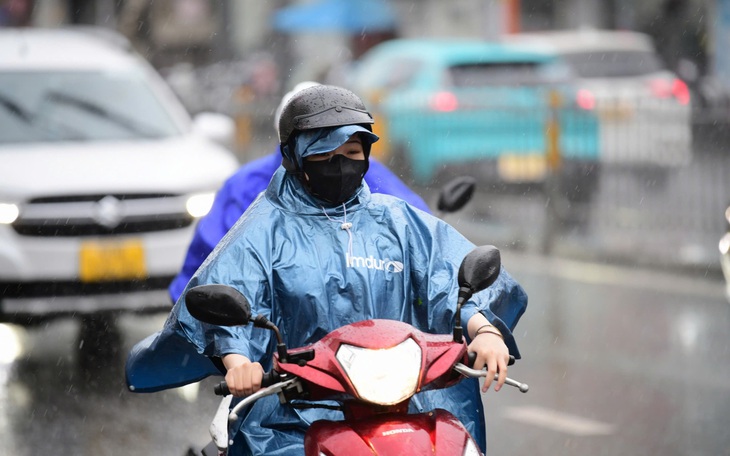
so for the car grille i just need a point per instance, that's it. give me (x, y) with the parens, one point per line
(102, 215)
(73, 288)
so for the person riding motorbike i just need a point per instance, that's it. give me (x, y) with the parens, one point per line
(319, 250)
(239, 190)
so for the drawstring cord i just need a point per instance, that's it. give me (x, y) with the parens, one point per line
(345, 225)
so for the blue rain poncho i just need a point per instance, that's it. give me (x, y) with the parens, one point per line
(239, 191)
(294, 262)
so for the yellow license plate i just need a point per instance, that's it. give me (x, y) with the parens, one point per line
(616, 112)
(105, 261)
(522, 168)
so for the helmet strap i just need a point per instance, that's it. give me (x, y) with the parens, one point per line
(288, 165)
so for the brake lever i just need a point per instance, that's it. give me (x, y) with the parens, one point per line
(276, 388)
(474, 373)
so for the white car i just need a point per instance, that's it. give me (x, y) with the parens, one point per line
(103, 175)
(643, 108)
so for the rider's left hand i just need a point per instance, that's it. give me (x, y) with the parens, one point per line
(491, 352)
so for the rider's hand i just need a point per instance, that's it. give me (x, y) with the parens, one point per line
(491, 351)
(242, 377)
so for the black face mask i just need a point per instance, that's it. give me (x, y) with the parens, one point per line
(334, 180)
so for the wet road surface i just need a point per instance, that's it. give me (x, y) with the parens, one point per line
(619, 361)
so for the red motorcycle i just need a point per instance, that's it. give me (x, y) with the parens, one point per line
(372, 368)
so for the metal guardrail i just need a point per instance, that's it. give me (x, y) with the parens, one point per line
(664, 209)
(671, 222)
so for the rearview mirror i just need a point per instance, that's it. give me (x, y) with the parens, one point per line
(480, 268)
(218, 305)
(456, 193)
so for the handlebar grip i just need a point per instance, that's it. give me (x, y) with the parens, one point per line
(269, 378)
(221, 389)
(472, 356)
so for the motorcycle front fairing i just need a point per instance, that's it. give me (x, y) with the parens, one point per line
(392, 356)
(438, 433)
(364, 358)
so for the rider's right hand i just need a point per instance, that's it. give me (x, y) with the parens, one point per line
(242, 377)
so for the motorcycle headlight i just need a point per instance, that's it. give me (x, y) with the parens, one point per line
(385, 376)
(199, 205)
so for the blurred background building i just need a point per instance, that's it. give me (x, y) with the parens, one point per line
(284, 41)
(203, 31)
(239, 57)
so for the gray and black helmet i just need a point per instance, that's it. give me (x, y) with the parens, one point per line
(322, 106)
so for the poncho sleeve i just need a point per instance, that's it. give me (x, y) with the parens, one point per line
(436, 250)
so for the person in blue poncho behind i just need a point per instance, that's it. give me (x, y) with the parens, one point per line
(239, 191)
(296, 255)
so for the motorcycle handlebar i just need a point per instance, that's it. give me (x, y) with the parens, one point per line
(269, 378)
(221, 389)
(472, 356)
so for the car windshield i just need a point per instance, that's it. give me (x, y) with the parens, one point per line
(80, 106)
(613, 64)
(502, 73)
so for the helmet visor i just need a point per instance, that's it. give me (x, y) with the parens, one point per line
(328, 139)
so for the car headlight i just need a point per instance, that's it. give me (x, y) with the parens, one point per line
(200, 204)
(384, 376)
(8, 213)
